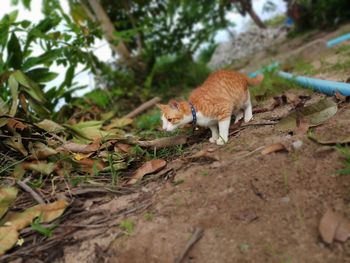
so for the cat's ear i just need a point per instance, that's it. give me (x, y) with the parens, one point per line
(174, 105)
(161, 106)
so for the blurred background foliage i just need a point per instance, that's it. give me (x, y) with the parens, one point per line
(161, 47)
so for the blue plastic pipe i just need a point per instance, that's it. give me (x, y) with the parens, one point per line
(338, 40)
(268, 68)
(325, 86)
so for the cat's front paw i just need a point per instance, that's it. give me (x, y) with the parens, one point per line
(220, 141)
(212, 140)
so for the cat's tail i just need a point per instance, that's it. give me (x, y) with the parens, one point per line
(255, 81)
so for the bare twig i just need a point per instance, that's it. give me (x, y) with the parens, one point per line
(197, 235)
(143, 107)
(164, 142)
(259, 123)
(34, 194)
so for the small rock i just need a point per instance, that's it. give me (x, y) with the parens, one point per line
(297, 144)
(285, 200)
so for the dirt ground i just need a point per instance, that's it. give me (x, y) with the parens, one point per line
(251, 207)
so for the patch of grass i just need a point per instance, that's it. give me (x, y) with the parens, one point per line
(38, 227)
(272, 85)
(303, 67)
(245, 247)
(204, 173)
(343, 49)
(127, 225)
(148, 121)
(340, 66)
(148, 216)
(345, 151)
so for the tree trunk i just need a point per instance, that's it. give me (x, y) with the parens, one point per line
(256, 18)
(109, 30)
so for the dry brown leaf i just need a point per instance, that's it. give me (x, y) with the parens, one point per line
(147, 168)
(8, 238)
(48, 213)
(40, 167)
(16, 124)
(343, 230)
(50, 126)
(124, 147)
(80, 148)
(277, 147)
(118, 123)
(15, 142)
(340, 97)
(328, 225)
(14, 222)
(7, 196)
(40, 151)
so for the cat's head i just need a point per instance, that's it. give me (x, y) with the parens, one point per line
(172, 114)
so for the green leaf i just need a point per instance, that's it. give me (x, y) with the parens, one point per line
(39, 108)
(14, 93)
(13, 16)
(15, 55)
(69, 76)
(4, 31)
(46, 58)
(37, 226)
(3, 111)
(26, 3)
(30, 86)
(25, 23)
(41, 75)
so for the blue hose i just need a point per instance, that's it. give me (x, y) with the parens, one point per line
(325, 86)
(338, 40)
(268, 68)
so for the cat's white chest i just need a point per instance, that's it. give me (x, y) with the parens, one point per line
(205, 121)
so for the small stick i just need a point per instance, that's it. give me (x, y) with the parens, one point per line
(34, 194)
(197, 235)
(143, 107)
(164, 142)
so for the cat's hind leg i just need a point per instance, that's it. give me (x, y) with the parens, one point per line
(248, 109)
(238, 116)
(214, 133)
(224, 126)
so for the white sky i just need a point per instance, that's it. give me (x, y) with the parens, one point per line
(102, 50)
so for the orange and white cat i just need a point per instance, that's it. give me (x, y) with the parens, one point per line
(223, 94)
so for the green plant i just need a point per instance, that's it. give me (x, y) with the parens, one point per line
(148, 216)
(38, 227)
(345, 151)
(24, 75)
(127, 226)
(272, 85)
(204, 173)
